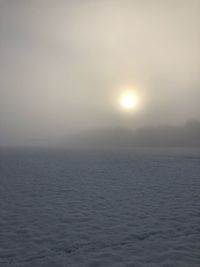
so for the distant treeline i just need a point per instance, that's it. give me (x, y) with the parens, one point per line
(186, 135)
(162, 135)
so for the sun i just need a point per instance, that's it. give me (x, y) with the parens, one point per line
(129, 100)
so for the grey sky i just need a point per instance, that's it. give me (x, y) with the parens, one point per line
(63, 62)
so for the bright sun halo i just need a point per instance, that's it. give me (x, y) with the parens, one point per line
(129, 101)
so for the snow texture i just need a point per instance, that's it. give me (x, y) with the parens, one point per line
(106, 207)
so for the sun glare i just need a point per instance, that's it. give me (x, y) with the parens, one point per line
(129, 101)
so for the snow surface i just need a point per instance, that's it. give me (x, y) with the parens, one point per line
(108, 207)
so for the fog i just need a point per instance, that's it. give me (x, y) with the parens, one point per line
(64, 63)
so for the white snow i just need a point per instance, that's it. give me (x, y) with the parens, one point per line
(108, 207)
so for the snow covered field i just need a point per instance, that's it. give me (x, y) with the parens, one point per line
(114, 207)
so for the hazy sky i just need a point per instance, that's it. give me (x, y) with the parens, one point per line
(63, 64)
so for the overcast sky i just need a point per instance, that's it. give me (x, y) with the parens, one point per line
(63, 64)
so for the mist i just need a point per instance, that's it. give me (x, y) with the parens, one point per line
(63, 64)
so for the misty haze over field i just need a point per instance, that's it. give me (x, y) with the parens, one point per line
(64, 63)
(161, 135)
(99, 133)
